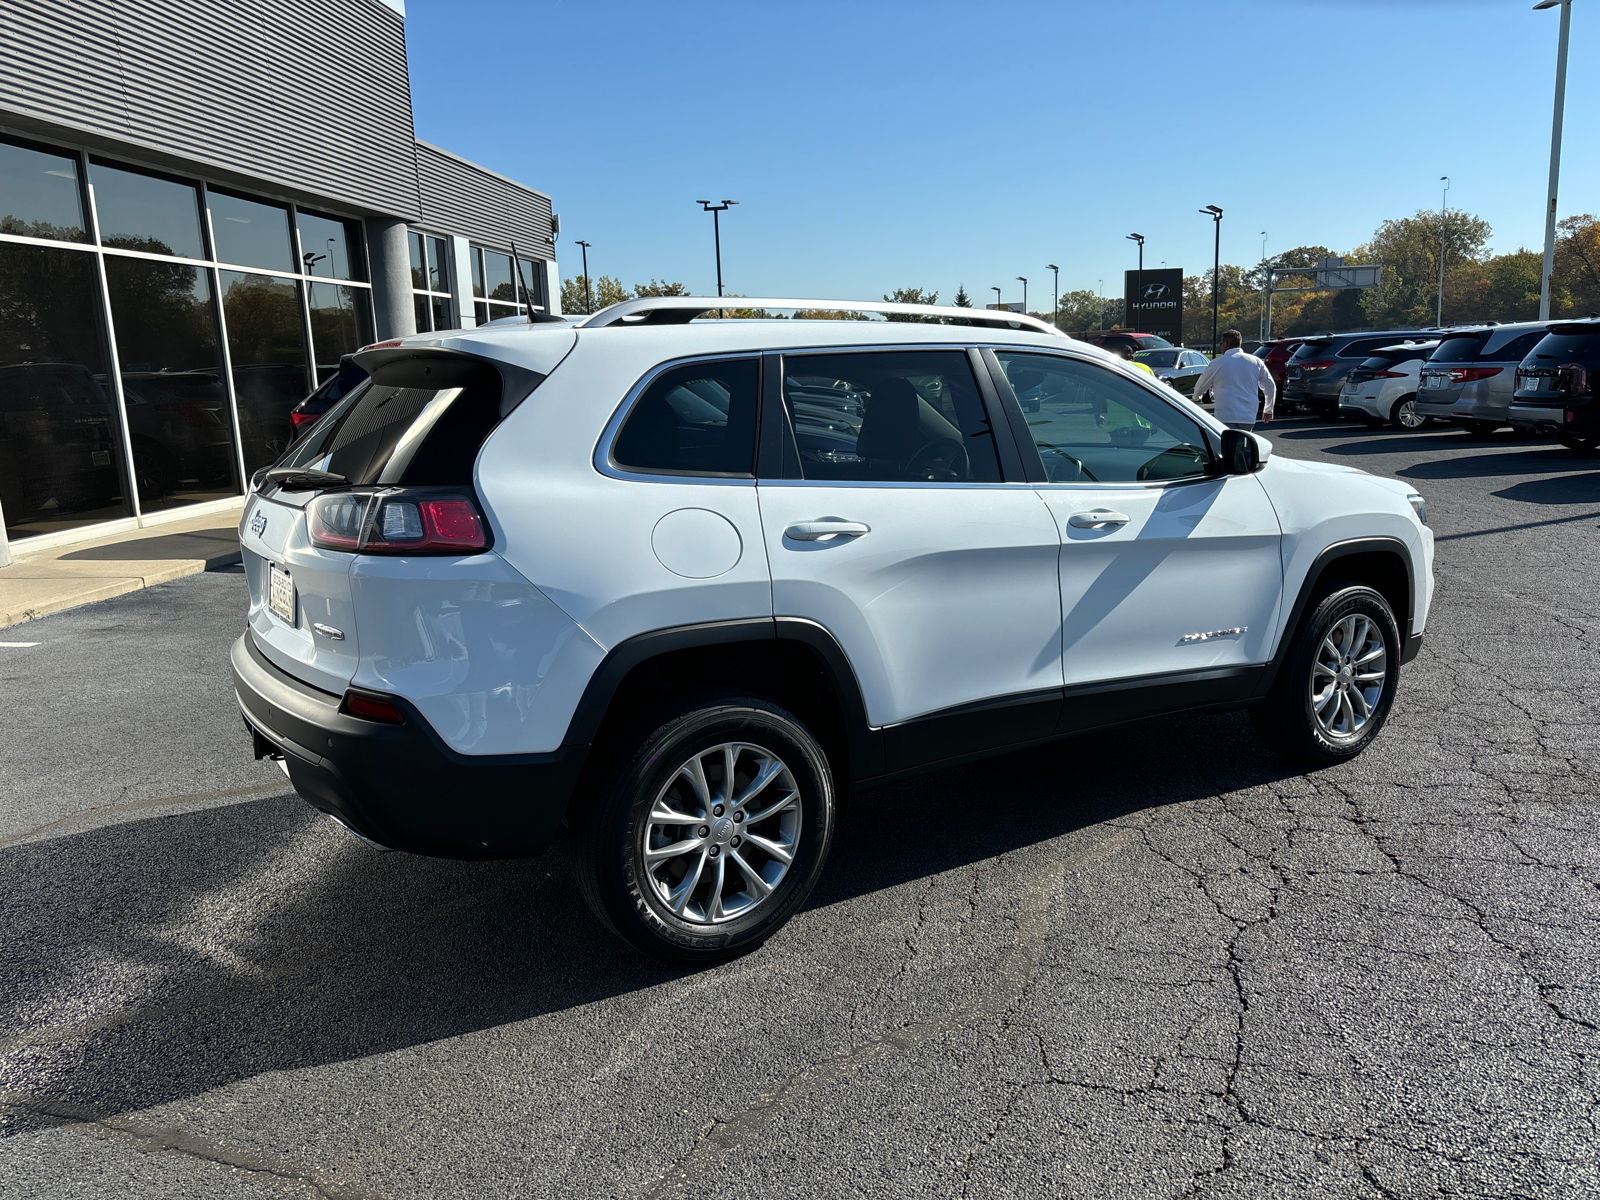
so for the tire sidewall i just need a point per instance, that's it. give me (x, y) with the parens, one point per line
(1329, 611)
(625, 890)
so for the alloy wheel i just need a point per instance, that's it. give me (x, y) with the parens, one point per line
(1407, 417)
(722, 833)
(1347, 676)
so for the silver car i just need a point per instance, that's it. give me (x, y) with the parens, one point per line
(1470, 378)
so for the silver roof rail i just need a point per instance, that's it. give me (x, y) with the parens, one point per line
(680, 310)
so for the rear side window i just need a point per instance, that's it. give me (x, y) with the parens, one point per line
(1459, 349)
(1515, 350)
(697, 419)
(1365, 346)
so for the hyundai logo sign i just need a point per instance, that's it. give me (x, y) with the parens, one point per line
(1155, 291)
(1153, 301)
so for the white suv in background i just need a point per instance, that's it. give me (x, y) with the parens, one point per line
(686, 583)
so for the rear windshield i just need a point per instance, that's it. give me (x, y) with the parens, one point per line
(1362, 347)
(1558, 348)
(392, 435)
(1460, 349)
(1310, 350)
(1157, 358)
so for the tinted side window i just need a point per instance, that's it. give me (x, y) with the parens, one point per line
(894, 416)
(697, 419)
(1094, 425)
(1364, 347)
(1515, 350)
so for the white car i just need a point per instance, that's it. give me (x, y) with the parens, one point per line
(684, 584)
(1382, 390)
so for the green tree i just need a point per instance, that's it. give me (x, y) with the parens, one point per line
(1082, 311)
(1408, 249)
(659, 288)
(910, 295)
(1575, 288)
(962, 300)
(607, 291)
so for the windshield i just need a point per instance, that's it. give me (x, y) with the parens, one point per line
(1157, 358)
(1460, 349)
(1150, 341)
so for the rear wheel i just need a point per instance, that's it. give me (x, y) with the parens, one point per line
(710, 833)
(1583, 445)
(1333, 690)
(1405, 414)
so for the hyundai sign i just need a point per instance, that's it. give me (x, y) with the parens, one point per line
(1154, 302)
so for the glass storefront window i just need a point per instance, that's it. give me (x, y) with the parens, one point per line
(39, 194)
(497, 274)
(424, 320)
(251, 234)
(441, 314)
(339, 318)
(177, 406)
(61, 459)
(267, 344)
(480, 312)
(438, 266)
(478, 289)
(329, 246)
(145, 212)
(419, 271)
(533, 281)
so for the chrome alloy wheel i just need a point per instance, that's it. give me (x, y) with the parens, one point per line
(1407, 417)
(722, 833)
(1347, 676)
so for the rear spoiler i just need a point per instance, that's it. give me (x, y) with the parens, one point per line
(436, 368)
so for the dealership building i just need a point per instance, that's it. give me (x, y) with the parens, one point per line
(204, 204)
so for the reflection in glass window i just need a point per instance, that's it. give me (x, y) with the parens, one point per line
(39, 194)
(438, 266)
(1096, 425)
(698, 419)
(424, 319)
(478, 289)
(331, 247)
(178, 420)
(441, 314)
(497, 275)
(900, 416)
(267, 344)
(61, 460)
(419, 272)
(145, 212)
(250, 233)
(480, 312)
(340, 318)
(532, 283)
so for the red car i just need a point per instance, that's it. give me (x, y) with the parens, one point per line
(1276, 355)
(1116, 339)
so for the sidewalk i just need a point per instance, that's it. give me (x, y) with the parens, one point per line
(50, 580)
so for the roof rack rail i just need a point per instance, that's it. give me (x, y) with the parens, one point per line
(680, 310)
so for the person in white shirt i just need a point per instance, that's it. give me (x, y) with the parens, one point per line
(1233, 378)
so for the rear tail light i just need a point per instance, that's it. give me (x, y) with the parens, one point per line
(371, 708)
(397, 521)
(1469, 374)
(299, 420)
(1388, 375)
(1321, 364)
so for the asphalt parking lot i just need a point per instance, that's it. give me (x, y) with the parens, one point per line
(1156, 962)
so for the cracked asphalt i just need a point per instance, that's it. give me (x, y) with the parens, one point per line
(1156, 962)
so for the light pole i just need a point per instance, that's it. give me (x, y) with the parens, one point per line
(588, 293)
(716, 211)
(1055, 313)
(1024, 293)
(997, 302)
(1215, 213)
(1138, 279)
(1261, 328)
(1100, 300)
(1549, 267)
(1438, 318)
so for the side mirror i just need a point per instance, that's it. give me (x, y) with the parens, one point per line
(1240, 454)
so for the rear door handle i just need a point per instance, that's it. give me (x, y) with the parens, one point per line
(1100, 516)
(826, 529)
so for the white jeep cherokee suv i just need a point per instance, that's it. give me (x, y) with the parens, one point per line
(685, 583)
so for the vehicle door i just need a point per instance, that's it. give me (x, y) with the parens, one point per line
(896, 530)
(1167, 569)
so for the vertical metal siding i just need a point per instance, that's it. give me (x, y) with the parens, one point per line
(461, 197)
(312, 95)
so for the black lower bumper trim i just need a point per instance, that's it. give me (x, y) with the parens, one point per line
(1412, 646)
(400, 785)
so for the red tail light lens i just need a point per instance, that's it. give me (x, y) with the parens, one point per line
(396, 521)
(1468, 374)
(299, 420)
(372, 708)
(1321, 364)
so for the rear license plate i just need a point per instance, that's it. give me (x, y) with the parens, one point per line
(280, 597)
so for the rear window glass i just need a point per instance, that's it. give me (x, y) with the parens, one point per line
(1459, 349)
(698, 419)
(1557, 348)
(1365, 346)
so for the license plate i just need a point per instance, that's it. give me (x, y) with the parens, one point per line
(280, 597)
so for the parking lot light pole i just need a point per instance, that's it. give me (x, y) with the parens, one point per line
(1262, 326)
(588, 292)
(1055, 313)
(996, 291)
(1438, 318)
(716, 211)
(1024, 293)
(1549, 267)
(1100, 301)
(1138, 279)
(1215, 213)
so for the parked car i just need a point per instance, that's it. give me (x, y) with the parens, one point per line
(521, 577)
(1119, 339)
(1383, 389)
(1470, 378)
(1555, 384)
(335, 388)
(1316, 372)
(1276, 354)
(1179, 367)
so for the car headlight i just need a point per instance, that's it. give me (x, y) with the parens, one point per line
(1419, 506)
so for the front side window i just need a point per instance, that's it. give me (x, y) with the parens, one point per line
(898, 416)
(697, 419)
(1096, 426)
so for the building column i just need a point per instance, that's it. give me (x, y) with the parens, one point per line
(552, 288)
(392, 306)
(461, 282)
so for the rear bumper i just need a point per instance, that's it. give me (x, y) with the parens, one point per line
(400, 785)
(1462, 408)
(1541, 418)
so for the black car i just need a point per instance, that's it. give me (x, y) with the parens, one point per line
(1316, 372)
(1555, 385)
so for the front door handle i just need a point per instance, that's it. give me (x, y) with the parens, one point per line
(1097, 518)
(825, 530)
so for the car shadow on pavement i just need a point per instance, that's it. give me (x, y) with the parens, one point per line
(1564, 489)
(1531, 461)
(159, 959)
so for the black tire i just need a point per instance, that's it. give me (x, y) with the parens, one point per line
(1405, 410)
(613, 828)
(1286, 719)
(1579, 445)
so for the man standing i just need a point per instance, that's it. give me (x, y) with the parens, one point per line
(1233, 379)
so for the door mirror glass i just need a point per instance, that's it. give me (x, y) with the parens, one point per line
(1240, 453)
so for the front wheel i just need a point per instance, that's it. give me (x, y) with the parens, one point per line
(710, 833)
(1333, 690)
(1406, 416)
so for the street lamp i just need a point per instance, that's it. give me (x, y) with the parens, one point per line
(1100, 300)
(1261, 327)
(1055, 313)
(1549, 267)
(1024, 293)
(1215, 213)
(588, 294)
(1438, 318)
(716, 211)
(996, 292)
(1138, 279)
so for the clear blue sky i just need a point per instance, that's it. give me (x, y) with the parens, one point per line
(876, 145)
